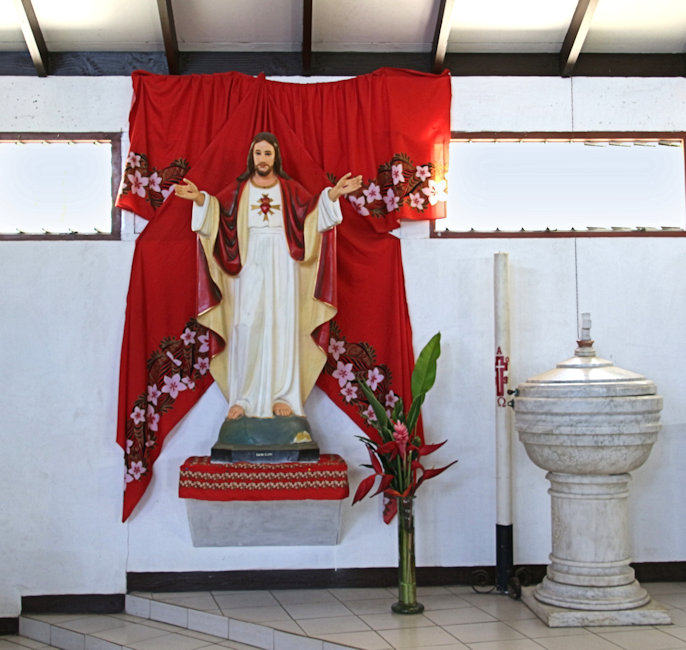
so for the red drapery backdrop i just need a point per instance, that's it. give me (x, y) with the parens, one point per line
(391, 126)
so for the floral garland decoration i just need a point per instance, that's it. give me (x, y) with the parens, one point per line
(399, 182)
(149, 183)
(173, 368)
(346, 361)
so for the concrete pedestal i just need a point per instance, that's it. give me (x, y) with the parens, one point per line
(651, 613)
(264, 504)
(264, 523)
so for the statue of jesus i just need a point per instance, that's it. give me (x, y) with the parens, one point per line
(262, 247)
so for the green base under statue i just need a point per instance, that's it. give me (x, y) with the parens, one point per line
(279, 439)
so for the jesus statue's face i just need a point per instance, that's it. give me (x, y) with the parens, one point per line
(263, 157)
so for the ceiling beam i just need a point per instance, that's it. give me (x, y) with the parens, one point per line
(576, 35)
(171, 45)
(441, 34)
(340, 64)
(307, 37)
(33, 36)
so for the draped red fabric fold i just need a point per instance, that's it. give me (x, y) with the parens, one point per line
(391, 126)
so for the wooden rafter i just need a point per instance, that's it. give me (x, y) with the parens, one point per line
(441, 34)
(307, 36)
(576, 35)
(33, 36)
(171, 45)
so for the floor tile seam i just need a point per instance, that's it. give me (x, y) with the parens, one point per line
(523, 636)
(320, 636)
(641, 628)
(211, 593)
(599, 630)
(226, 612)
(284, 605)
(318, 618)
(389, 592)
(237, 620)
(478, 645)
(400, 629)
(323, 637)
(595, 631)
(333, 638)
(186, 632)
(280, 605)
(63, 629)
(16, 644)
(94, 635)
(536, 642)
(338, 600)
(309, 618)
(485, 611)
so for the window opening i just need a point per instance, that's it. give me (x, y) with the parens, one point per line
(549, 184)
(62, 186)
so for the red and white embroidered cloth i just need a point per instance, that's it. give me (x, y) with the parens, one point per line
(326, 479)
(391, 126)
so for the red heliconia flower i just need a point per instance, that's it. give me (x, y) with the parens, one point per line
(425, 450)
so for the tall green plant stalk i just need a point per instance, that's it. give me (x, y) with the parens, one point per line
(396, 453)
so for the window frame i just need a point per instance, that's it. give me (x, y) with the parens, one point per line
(514, 136)
(114, 139)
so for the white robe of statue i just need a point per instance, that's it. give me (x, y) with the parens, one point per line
(263, 348)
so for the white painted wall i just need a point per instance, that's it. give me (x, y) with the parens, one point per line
(62, 318)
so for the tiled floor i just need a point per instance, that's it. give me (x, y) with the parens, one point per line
(332, 619)
(110, 632)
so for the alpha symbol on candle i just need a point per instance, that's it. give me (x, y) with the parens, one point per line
(501, 364)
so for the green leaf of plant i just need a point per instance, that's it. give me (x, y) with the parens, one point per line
(382, 421)
(398, 411)
(424, 373)
(413, 413)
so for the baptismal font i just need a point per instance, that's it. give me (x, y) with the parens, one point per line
(589, 423)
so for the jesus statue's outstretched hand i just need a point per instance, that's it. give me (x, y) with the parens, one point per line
(346, 184)
(190, 192)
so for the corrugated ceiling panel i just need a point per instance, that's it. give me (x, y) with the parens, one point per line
(379, 26)
(637, 26)
(239, 25)
(530, 26)
(105, 25)
(11, 38)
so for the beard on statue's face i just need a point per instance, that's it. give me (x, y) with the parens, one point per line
(263, 169)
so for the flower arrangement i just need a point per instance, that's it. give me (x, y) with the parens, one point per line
(395, 450)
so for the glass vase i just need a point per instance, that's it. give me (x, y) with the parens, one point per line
(407, 581)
